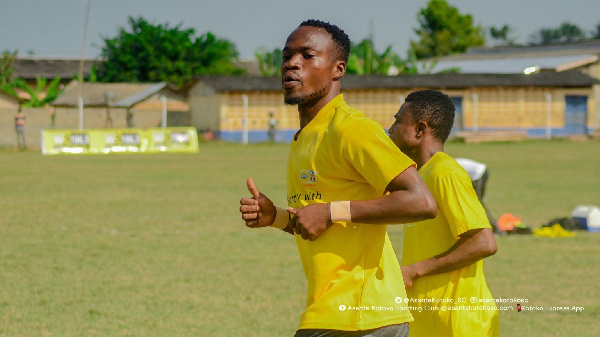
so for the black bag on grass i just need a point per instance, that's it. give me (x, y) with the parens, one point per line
(569, 224)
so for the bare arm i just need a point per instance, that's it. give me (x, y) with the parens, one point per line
(409, 200)
(471, 247)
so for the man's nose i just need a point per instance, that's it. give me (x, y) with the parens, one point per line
(293, 62)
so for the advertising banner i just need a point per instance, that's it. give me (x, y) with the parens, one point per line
(104, 141)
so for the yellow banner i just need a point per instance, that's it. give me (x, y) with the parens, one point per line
(103, 141)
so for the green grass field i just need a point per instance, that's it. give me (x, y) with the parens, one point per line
(153, 245)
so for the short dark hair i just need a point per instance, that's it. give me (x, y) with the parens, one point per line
(435, 108)
(338, 36)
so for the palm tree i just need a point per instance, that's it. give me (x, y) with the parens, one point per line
(268, 62)
(364, 60)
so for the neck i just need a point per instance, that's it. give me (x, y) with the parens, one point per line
(309, 109)
(427, 151)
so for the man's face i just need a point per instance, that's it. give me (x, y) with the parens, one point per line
(307, 67)
(404, 130)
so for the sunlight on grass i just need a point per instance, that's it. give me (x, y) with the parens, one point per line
(143, 245)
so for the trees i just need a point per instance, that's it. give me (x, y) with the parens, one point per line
(148, 52)
(595, 34)
(269, 63)
(364, 60)
(502, 35)
(443, 30)
(39, 95)
(6, 67)
(565, 33)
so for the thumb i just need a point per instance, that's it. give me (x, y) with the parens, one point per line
(252, 188)
(293, 210)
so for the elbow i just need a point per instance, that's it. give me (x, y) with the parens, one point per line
(489, 247)
(428, 206)
(492, 248)
(429, 209)
(425, 211)
(487, 251)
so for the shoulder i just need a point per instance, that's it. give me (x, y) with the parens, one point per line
(348, 120)
(445, 167)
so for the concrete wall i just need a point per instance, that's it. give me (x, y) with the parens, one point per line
(36, 119)
(259, 106)
(498, 108)
(205, 108)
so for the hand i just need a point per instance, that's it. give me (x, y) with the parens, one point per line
(259, 210)
(311, 221)
(409, 275)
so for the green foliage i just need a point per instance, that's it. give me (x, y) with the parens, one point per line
(148, 52)
(6, 67)
(269, 63)
(413, 66)
(443, 31)
(40, 95)
(364, 60)
(565, 33)
(92, 78)
(502, 35)
(595, 34)
(93, 74)
(51, 90)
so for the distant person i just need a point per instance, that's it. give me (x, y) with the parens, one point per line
(478, 172)
(209, 135)
(442, 258)
(272, 126)
(20, 129)
(345, 181)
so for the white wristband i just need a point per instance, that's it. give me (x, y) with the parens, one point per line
(340, 211)
(281, 219)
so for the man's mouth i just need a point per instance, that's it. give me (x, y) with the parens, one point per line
(289, 81)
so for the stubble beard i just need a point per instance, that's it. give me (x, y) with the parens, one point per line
(303, 98)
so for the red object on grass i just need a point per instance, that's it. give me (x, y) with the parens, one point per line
(508, 222)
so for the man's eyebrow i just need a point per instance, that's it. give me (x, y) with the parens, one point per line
(303, 49)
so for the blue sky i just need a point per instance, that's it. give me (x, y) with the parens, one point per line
(55, 28)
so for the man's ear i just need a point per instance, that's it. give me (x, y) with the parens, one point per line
(339, 70)
(421, 128)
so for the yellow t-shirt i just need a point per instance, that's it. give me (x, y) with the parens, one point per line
(456, 303)
(353, 274)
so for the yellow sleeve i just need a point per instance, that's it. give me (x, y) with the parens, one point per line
(458, 201)
(369, 150)
(460, 204)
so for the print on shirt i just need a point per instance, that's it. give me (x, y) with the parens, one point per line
(295, 199)
(308, 177)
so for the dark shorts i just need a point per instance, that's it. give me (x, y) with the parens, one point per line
(397, 330)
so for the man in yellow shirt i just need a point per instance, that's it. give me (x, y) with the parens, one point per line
(345, 181)
(442, 258)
